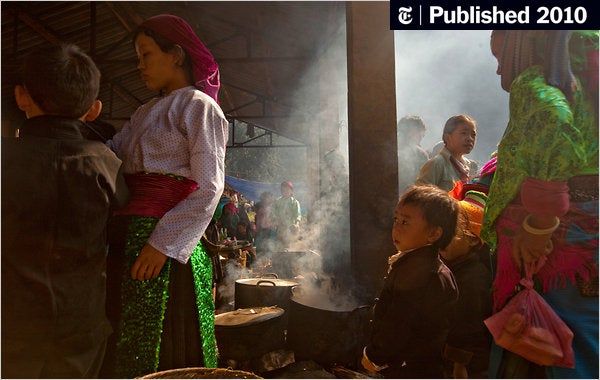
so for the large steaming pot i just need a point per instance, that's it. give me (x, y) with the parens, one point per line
(263, 291)
(246, 334)
(327, 336)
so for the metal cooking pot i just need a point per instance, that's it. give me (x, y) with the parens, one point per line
(328, 337)
(246, 334)
(263, 291)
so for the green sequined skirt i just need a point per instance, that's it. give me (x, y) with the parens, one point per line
(143, 305)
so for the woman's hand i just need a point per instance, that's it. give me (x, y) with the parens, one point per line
(528, 247)
(148, 263)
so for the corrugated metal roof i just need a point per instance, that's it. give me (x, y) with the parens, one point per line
(263, 48)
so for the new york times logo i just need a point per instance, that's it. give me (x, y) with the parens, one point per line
(405, 15)
(505, 14)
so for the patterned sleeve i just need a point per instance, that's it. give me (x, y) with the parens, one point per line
(551, 143)
(207, 133)
(548, 138)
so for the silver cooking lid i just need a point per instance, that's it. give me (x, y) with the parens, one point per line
(248, 316)
(266, 282)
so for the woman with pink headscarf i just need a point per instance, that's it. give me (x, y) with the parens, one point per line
(173, 150)
(543, 199)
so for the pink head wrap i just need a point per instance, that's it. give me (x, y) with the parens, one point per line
(204, 67)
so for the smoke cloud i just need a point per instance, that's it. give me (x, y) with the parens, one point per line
(441, 73)
(438, 74)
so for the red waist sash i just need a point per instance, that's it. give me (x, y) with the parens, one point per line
(155, 194)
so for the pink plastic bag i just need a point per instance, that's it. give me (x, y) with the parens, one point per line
(529, 327)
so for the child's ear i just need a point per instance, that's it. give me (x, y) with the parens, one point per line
(94, 111)
(435, 234)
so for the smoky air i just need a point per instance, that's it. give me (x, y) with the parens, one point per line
(441, 73)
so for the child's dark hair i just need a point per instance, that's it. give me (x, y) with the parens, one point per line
(166, 46)
(62, 80)
(439, 210)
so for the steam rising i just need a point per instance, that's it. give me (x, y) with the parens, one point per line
(441, 73)
(438, 74)
(322, 90)
(226, 289)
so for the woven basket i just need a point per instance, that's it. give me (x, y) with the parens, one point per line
(201, 373)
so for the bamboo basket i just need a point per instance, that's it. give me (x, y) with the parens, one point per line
(201, 373)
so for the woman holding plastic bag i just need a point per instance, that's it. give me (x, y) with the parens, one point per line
(543, 201)
(528, 327)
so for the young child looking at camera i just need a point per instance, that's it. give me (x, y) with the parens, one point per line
(410, 322)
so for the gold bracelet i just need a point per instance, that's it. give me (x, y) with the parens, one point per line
(536, 231)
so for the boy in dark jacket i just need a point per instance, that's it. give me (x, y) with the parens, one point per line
(468, 346)
(58, 190)
(410, 321)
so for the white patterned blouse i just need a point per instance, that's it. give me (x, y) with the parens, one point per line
(183, 133)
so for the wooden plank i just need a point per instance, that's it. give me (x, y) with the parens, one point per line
(39, 28)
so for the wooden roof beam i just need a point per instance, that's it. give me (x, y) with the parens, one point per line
(102, 55)
(36, 25)
(52, 38)
(262, 97)
(131, 14)
(255, 100)
(124, 23)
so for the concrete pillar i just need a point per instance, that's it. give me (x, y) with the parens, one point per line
(372, 140)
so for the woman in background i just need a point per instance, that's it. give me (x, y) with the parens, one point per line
(450, 164)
